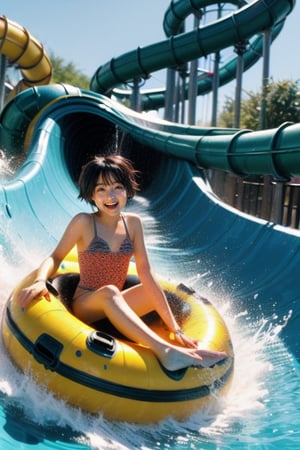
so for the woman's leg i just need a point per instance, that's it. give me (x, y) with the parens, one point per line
(136, 297)
(109, 302)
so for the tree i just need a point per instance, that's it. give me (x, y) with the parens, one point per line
(282, 105)
(226, 118)
(67, 73)
(250, 111)
(283, 102)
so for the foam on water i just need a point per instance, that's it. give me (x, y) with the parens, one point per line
(261, 361)
(260, 411)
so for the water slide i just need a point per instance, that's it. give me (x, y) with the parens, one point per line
(56, 128)
(23, 50)
(173, 23)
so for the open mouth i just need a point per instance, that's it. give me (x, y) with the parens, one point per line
(111, 205)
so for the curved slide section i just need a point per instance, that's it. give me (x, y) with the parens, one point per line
(243, 152)
(179, 10)
(59, 127)
(252, 261)
(230, 30)
(174, 17)
(155, 98)
(25, 51)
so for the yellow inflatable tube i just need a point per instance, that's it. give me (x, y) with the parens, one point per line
(99, 372)
(26, 52)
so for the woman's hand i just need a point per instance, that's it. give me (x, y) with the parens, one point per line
(32, 292)
(184, 340)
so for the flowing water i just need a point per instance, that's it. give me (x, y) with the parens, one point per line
(261, 410)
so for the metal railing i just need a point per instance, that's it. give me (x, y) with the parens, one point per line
(263, 197)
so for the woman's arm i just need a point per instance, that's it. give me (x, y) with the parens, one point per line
(154, 291)
(49, 266)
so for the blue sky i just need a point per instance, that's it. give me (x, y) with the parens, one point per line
(90, 32)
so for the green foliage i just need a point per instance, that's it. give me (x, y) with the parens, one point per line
(250, 111)
(282, 104)
(226, 118)
(67, 73)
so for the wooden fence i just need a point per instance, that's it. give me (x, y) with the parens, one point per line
(263, 197)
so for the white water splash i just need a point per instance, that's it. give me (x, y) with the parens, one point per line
(237, 419)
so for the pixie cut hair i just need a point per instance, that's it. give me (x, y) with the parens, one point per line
(111, 168)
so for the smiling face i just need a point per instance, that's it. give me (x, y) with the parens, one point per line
(109, 196)
(104, 171)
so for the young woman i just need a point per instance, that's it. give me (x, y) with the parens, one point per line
(106, 241)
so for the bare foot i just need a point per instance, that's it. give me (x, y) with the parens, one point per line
(177, 358)
(209, 358)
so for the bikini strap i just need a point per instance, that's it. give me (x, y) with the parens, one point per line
(124, 222)
(94, 223)
(126, 228)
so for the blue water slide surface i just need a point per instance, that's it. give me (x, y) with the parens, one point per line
(55, 129)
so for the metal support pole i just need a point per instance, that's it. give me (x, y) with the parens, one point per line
(177, 98)
(170, 94)
(216, 82)
(135, 99)
(263, 123)
(182, 116)
(215, 90)
(183, 75)
(240, 50)
(193, 87)
(265, 79)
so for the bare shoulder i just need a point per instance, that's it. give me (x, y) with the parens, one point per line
(80, 221)
(82, 218)
(134, 224)
(79, 231)
(135, 228)
(133, 220)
